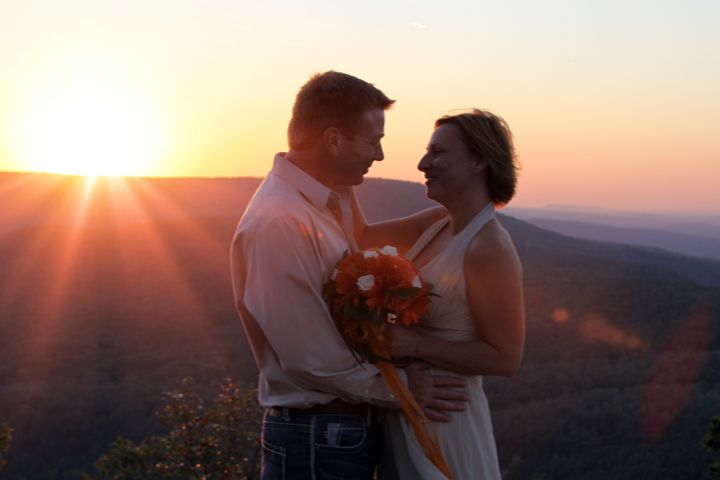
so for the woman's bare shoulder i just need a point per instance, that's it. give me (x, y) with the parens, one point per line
(492, 244)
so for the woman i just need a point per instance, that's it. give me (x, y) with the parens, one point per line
(476, 326)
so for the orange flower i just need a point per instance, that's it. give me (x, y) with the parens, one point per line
(347, 272)
(417, 307)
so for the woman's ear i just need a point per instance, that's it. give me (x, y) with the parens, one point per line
(331, 140)
(479, 165)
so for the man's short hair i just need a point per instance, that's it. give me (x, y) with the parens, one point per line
(331, 99)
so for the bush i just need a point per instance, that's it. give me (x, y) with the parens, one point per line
(216, 442)
(712, 444)
(5, 437)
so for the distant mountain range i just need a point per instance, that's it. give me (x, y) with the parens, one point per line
(694, 245)
(704, 224)
(691, 234)
(110, 292)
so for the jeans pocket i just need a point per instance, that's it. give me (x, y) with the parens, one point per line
(274, 461)
(345, 448)
(340, 434)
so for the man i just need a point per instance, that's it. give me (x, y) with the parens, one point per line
(321, 417)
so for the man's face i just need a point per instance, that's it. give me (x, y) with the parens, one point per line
(359, 149)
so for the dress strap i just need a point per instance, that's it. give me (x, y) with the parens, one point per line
(462, 238)
(426, 237)
(475, 225)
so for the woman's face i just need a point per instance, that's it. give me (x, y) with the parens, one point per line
(449, 168)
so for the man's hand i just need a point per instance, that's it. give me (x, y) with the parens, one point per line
(436, 394)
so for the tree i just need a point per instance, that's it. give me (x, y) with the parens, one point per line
(712, 444)
(205, 443)
(5, 437)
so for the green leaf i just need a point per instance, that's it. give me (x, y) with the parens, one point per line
(405, 293)
(360, 313)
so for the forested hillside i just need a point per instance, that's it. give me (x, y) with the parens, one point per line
(110, 293)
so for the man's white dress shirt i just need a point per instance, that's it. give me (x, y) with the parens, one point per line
(285, 248)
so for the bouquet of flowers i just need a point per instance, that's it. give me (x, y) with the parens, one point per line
(367, 291)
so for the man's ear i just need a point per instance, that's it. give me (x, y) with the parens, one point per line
(331, 139)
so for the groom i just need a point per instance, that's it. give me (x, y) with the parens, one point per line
(321, 416)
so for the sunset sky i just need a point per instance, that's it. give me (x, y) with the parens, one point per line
(612, 104)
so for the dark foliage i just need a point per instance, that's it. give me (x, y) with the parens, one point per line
(219, 441)
(5, 437)
(712, 444)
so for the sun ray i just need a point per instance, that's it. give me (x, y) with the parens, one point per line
(215, 248)
(104, 237)
(160, 199)
(29, 203)
(154, 217)
(15, 191)
(18, 290)
(47, 210)
(54, 250)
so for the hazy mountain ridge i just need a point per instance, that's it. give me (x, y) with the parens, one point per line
(703, 224)
(693, 245)
(147, 299)
(528, 237)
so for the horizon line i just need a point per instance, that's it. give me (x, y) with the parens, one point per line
(570, 207)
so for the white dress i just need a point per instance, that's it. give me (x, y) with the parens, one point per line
(467, 442)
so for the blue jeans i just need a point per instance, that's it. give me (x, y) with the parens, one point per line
(318, 446)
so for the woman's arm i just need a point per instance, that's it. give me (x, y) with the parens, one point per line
(399, 232)
(493, 277)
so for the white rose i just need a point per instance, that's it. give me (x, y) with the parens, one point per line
(389, 250)
(366, 282)
(370, 254)
(416, 282)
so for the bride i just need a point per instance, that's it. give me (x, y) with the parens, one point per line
(476, 326)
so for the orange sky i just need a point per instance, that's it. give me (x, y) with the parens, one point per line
(613, 105)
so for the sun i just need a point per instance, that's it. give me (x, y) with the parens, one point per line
(89, 127)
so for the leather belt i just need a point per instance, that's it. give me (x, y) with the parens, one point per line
(337, 407)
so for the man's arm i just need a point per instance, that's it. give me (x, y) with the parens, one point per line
(276, 280)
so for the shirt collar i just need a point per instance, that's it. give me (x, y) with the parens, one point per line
(309, 187)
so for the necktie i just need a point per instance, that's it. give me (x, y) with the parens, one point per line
(333, 205)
